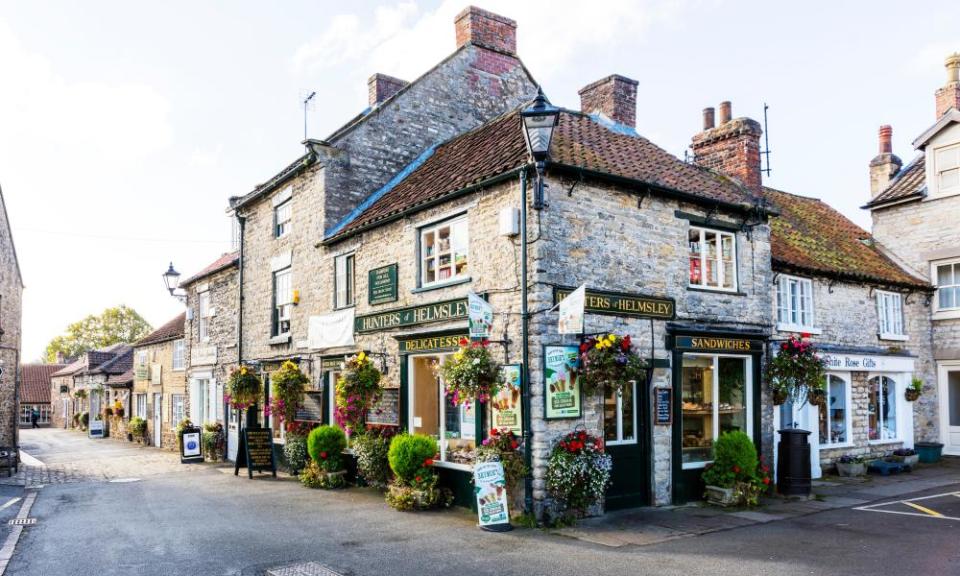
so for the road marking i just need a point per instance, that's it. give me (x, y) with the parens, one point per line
(926, 512)
(10, 503)
(923, 509)
(29, 460)
(6, 552)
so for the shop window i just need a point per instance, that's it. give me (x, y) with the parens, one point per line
(794, 303)
(204, 316)
(176, 409)
(882, 409)
(282, 302)
(620, 414)
(444, 252)
(716, 392)
(142, 405)
(948, 286)
(179, 355)
(434, 414)
(834, 415)
(890, 314)
(713, 259)
(343, 281)
(282, 214)
(948, 169)
(25, 414)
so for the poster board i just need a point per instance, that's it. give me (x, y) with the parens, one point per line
(311, 409)
(386, 412)
(490, 487)
(663, 406)
(255, 451)
(506, 408)
(561, 381)
(96, 429)
(191, 448)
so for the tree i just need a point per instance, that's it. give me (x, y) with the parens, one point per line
(113, 326)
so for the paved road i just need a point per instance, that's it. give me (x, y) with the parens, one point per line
(207, 522)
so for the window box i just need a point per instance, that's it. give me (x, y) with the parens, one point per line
(713, 259)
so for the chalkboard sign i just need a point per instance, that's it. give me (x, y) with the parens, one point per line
(663, 406)
(312, 408)
(256, 451)
(387, 411)
(191, 448)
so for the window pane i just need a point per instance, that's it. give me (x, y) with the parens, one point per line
(731, 397)
(729, 274)
(947, 298)
(697, 398)
(833, 416)
(873, 409)
(460, 246)
(627, 400)
(610, 414)
(944, 275)
(459, 430)
(696, 274)
(712, 272)
(889, 409)
(794, 302)
(953, 397)
(950, 178)
(426, 398)
(781, 301)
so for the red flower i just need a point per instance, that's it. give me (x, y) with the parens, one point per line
(428, 462)
(584, 347)
(766, 480)
(514, 444)
(463, 341)
(485, 342)
(736, 469)
(418, 478)
(323, 455)
(783, 346)
(625, 343)
(494, 432)
(804, 334)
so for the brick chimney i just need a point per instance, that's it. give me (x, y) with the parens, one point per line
(731, 148)
(949, 95)
(380, 87)
(614, 96)
(885, 165)
(482, 28)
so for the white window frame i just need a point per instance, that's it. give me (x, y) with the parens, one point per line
(141, 358)
(282, 304)
(177, 405)
(803, 296)
(344, 280)
(142, 406)
(717, 263)
(620, 441)
(896, 395)
(848, 410)
(283, 218)
(951, 311)
(179, 355)
(424, 259)
(954, 167)
(203, 312)
(891, 324)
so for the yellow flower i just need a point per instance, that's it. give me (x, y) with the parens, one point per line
(243, 370)
(361, 357)
(613, 338)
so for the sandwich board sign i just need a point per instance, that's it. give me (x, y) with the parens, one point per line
(490, 486)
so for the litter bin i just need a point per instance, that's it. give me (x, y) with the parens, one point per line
(793, 463)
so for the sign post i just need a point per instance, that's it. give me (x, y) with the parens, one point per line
(191, 448)
(490, 486)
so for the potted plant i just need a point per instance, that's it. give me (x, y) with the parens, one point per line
(851, 465)
(609, 361)
(181, 426)
(797, 371)
(357, 389)
(244, 387)
(138, 428)
(287, 386)
(471, 374)
(118, 409)
(929, 452)
(295, 447)
(372, 449)
(906, 455)
(214, 441)
(736, 476)
(578, 473)
(414, 485)
(326, 469)
(914, 390)
(504, 446)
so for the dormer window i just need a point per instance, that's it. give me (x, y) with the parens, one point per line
(947, 166)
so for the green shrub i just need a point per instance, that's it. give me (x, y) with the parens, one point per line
(735, 460)
(314, 477)
(372, 449)
(411, 458)
(295, 452)
(137, 426)
(325, 446)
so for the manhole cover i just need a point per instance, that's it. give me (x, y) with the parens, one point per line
(22, 522)
(304, 569)
(123, 480)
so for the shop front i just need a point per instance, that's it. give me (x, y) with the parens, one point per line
(717, 376)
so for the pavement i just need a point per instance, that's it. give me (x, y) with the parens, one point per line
(168, 519)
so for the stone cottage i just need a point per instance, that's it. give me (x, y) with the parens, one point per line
(81, 387)
(35, 392)
(11, 292)
(159, 384)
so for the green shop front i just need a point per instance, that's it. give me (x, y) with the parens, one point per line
(717, 389)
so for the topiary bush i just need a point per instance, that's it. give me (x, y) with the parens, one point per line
(411, 457)
(325, 446)
(735, 459)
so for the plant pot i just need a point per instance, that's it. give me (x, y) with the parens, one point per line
(816, 398)
(720, 496)
(129, 437)
(779, 397)
(911, 395)
(928, 452)
(851, 469)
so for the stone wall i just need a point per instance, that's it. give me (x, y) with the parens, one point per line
(11, 291)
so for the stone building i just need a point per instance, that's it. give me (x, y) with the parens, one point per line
(868, 315)
(35, 392)
(159, 383)
(11, 291)
(89, 374)
(211, 333)
(914, 210)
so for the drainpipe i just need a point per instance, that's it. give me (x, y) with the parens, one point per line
(525, 343)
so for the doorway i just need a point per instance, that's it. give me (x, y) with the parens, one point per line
(157, 414)
(433, 413)
(624, 432)
(949, 378)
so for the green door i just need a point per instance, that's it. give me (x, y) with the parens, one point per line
(625, 438)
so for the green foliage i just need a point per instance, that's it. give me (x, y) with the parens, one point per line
(113, 326)
(422, 497)
(214, 441)
(325, 446)
(735, 460)
(244, 387)
(356, 391)
(137, 426)
(372, 449)
(295, 452)
(797, 370)
(287, 386)
(916, 385)
(471, 374)
(411, 458)
(609, 360)
(313, 476)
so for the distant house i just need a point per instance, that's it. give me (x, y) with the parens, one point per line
(35, 391)
(81, 386)
(159, 382)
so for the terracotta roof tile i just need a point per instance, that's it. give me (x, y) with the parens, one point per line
(909, 182)
(220, 263)
(35, 382)
(169, 331)
(810, 236)
(121, 379)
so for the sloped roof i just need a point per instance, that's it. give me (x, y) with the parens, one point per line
(35, 382)
(582, 142)
(91, 360)
(122, 379)
(910, 182)
(810, 236)
(169, 331)
(120, 362)
(217, 265)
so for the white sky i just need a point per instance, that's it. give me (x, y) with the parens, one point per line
(125, 126)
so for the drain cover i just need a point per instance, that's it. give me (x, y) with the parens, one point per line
(22, 522)
(304, 569)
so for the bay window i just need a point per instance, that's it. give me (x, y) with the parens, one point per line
(716, 394)
(344, 281)
(835, 414)
(794, 303)
(947, 278)
(882, 409)
(282, 302)
(713, 259)
(890, 314)
(444, 252)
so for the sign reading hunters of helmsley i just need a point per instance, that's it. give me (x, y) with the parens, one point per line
(435, 312)
(622, 304)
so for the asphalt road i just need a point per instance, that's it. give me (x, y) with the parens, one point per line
(208, 522)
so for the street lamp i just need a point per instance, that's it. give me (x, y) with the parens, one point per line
(539, 121)
(172, 280)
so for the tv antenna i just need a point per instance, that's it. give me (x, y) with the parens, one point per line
(306, 106)
(766, 142)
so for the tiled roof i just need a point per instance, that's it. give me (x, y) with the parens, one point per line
(583, 142)
(169, 331)
(35, 382)
(810, 236)
(121, 361)
(121, 379)
(909, 182)
(91, 360)
(217, 265)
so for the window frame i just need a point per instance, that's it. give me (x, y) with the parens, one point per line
(423, 257)
(178, 401)
(951, 311)
(848, 407)
(938, 172)
(277, 319)
(203, 315)
(898, 414)
(884, 330)
(350, 276)
(721, 274)
(784, 282)
(621, 441)
(179, 353)
(282, 228)
(141, 401)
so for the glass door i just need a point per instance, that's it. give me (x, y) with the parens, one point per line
(949, 377)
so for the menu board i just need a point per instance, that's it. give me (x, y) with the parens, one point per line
(663, 406)
(256, 448)
(311, 410)
(506, 408)
(562, 384)
(386, 412)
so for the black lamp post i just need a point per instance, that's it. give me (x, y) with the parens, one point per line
(539, 121)
(171, 278)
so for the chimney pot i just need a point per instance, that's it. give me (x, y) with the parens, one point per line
(708, 118)
(482, 28)
(948, 96)
(886, 139)
(725, 112)
(380, 87)
(614, 96)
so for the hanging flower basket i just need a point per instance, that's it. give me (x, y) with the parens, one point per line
(471, 374)
(244, 387)
(797, 372)
(356, 391)
(609, 361)
(780, 397)
(913, 392)
(817, 397)
(287, 386)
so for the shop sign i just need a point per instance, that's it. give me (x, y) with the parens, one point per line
(562, 385)
(331, 330)
(663, 406)
(480, 317)
(190, 447)
(382, 285)
(490, 486)
(203, 355)
(412, 316)
(431, 343)
(386, 412)
(142, 372)
(718, 344)
(327, 364)
(506, 408)
(861, 363)
(571, 311)
(255, 451)
(622, 304)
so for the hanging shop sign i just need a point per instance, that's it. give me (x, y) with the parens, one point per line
(256, 452)
(431, 343)
(663, 406)
(572, 306)
(506, 408)
(386, 412)
(717, 344)
(311, 409)
(622, 304)
(191, 450)
(142, 372)
(382, 285)
(490, 486)
(412, 316)
(331, 330)
(480, 317)
(562, 384)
